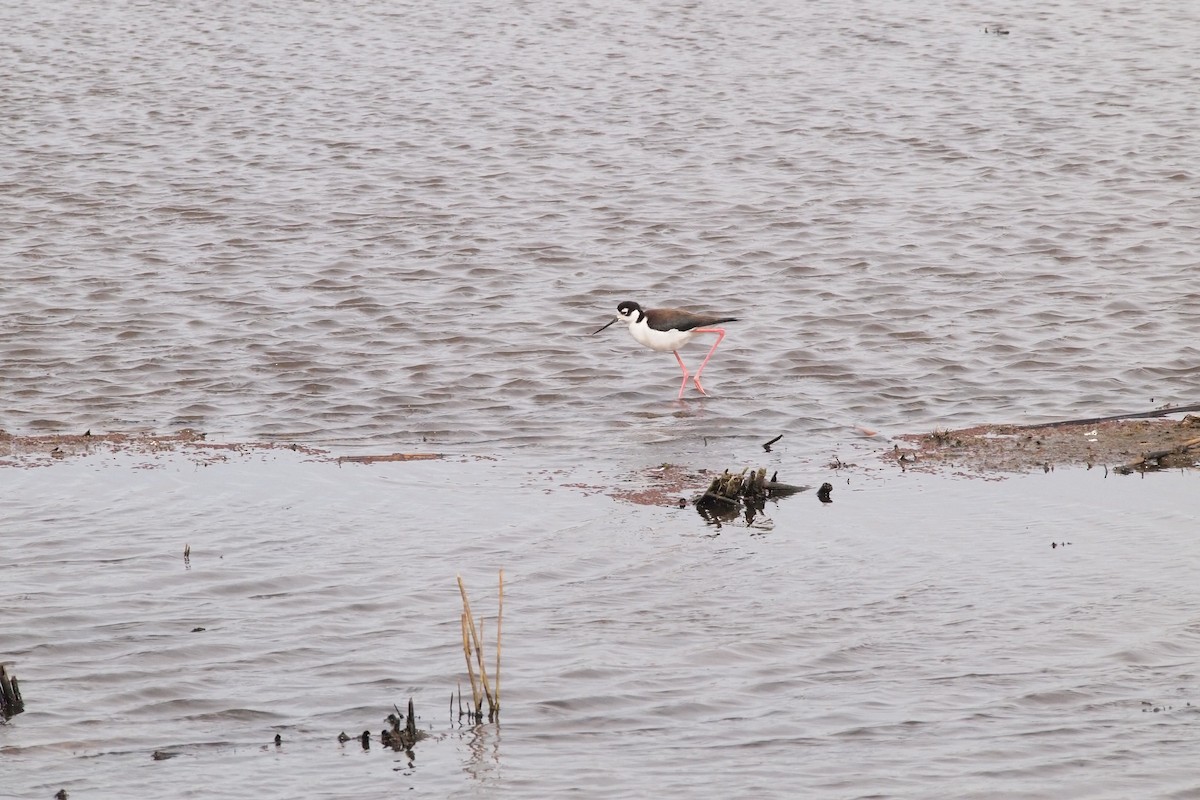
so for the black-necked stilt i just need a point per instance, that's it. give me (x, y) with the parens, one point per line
(668, 329)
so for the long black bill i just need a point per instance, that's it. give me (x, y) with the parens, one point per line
(610, 322)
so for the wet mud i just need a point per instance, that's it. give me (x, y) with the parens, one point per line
(47, 449)
(1124, 445)
(44, 450)
(665, 485)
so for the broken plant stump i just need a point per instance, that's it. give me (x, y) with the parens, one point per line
(734, 487)
(400, 735)
(403, 733)
(731, 493)
(11, 703)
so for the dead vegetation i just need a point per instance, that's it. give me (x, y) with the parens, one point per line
(477, 670)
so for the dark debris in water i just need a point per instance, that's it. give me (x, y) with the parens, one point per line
(717, 497)
(400, 735)
(731, 495)
(1159, 708)
(11, 703)
(669, 485)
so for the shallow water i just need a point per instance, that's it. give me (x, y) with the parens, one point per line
(917, 637)
(392, 227)
(388, 222)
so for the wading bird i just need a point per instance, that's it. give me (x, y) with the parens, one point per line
(668, 329)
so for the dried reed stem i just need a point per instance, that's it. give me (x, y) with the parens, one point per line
(487, 689)
(499, 623)
(467, 654)
(479, 656)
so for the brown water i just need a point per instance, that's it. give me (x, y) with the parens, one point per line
(383, 227)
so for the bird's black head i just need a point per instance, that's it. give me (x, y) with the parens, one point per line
(628, 308)
(629, 312)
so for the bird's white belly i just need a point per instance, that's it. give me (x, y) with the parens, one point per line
(662, 341)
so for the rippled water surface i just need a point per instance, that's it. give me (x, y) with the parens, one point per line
(381, 226)
(388, 221)
(917, 637)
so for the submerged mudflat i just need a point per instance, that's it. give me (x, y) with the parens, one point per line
(45, 449)
(1129, 444)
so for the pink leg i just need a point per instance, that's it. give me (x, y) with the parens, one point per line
(720, 332)
(683, 385)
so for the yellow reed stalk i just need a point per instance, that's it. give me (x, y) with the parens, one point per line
(479, 656)
(499, 622)
(467, 654)
(487, 689)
